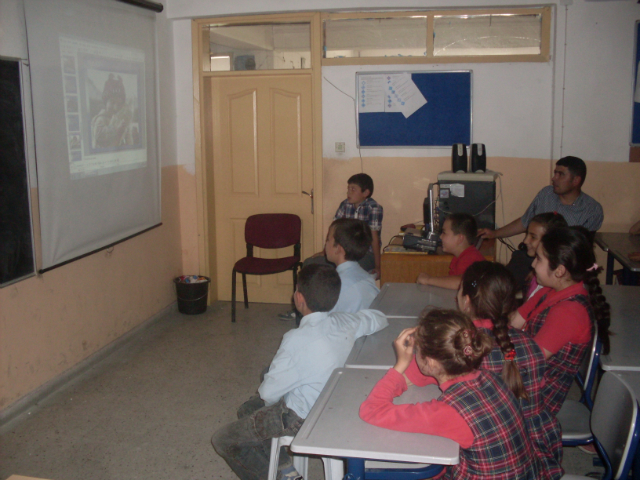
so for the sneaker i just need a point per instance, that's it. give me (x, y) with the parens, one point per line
(288, 315)
(590, 449)
(289, 473)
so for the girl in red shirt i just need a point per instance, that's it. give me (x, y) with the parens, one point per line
(562, 316)
(488, 295)
(476, 409)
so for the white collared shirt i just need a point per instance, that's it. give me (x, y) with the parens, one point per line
(358, 288)
(310, 353)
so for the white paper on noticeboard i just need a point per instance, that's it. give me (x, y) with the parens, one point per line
(371, 93)
(403, 95)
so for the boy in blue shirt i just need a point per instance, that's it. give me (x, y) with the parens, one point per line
(348, 241)
(304, 362)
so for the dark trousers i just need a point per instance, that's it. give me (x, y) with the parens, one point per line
(246, 443)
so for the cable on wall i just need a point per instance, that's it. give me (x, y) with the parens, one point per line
(355, 112)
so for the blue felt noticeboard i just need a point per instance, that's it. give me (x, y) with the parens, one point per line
(443, 121)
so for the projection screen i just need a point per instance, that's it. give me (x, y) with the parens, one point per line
(93, 79)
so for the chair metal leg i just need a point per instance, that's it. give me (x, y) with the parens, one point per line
(295, 277)
(233, 296)
(244, 290)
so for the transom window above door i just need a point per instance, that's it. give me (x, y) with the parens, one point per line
(271, 46)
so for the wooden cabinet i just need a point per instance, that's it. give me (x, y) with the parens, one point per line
(400, 265)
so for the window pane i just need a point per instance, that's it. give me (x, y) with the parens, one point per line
(491, 34)
(284, 46)
(376, 37)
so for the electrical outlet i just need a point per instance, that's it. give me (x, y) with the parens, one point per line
(340, 148)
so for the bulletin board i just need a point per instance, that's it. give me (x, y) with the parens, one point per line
(385, 120)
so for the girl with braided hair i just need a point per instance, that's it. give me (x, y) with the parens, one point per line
(476, 409)
(562, 316)
(487, 295)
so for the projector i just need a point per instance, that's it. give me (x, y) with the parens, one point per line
(428, 243)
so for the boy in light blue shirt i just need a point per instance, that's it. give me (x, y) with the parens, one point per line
(299, 371)
(348, 241)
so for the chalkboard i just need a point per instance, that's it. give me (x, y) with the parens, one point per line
(444, 120)
(16, 245)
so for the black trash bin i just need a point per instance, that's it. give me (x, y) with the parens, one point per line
(192, 293)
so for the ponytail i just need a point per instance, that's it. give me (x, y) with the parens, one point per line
(510, 371)
(451, 338)
(491, 289)
(601, 308)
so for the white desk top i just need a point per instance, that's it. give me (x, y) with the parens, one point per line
(334, 428)
(625, 325)
(376, 351)
(407, 300)
(620, 245)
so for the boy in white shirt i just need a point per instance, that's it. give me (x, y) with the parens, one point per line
(306, 358)
(348, 240)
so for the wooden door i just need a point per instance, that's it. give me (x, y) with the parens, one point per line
(262, 161)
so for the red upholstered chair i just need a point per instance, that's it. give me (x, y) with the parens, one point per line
(267, 230)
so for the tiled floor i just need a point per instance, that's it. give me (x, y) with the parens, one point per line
(149, 409)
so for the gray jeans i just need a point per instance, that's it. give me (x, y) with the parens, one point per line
(246, 443)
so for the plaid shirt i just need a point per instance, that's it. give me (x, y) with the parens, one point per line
(501, 448)
(564, 364)
(544, 428)
(369, 211)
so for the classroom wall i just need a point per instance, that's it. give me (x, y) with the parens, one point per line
(50, 323)
(579, 103)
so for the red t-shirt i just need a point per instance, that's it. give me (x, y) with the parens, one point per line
(460, 264)
(433, 417)
(566, 322)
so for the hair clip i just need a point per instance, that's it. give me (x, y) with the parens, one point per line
(467, 350)
(510, 355)
(474, 284)
(465, 333)
(593, 267)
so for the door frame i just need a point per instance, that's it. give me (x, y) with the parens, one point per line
(205, 198)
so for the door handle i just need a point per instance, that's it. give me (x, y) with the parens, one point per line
(311, 197)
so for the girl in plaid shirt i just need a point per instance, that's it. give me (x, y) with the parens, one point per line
(476, 408)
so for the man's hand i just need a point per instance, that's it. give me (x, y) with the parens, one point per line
(375, 272)
(423, 279)
(486, 233)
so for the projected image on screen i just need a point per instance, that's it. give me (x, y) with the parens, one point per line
(104, 107)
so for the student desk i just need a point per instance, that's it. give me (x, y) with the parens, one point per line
(333, 427)
(407, 300)
(625, 325)
(618, 246)
(397, 264)
(376, 351)
(402, 304)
